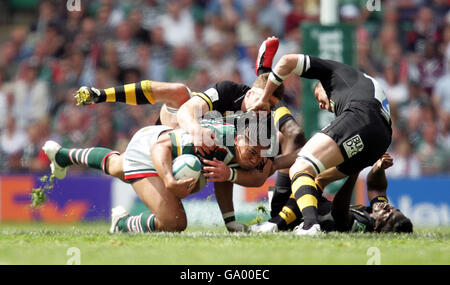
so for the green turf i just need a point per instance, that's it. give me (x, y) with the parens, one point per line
(49, 244)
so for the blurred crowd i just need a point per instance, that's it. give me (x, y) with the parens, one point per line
(406, 45)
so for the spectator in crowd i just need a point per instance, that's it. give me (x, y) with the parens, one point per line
(246, 65)
(12, 139)
(248, 30)
(126, 46)
(430, 66)
(396, 90)
(441, 97)
(5, 104)
(425, 29)
(181, 68)
(178, 25)
(160, 55)
(363, 52)
(217, 63)
(31, 96)
(32, 157)
(430, 152)
(268, 11)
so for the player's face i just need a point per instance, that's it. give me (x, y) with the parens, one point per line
(382, 212)
(322, 98)
(247, 156)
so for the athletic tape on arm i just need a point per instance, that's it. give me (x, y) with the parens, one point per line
(302, 64)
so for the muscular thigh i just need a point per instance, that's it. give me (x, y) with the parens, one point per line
(161, 202)
(362, 138)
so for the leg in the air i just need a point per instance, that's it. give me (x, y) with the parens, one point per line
(94, 157)
(143, 92)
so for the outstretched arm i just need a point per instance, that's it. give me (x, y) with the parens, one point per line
(376, 179)
(218, 171)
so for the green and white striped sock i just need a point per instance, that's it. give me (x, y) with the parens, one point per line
(94, 157)
(142, 223)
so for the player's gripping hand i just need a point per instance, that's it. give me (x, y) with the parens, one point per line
(260, 105)
(266, 53)
(216, 170)
(204, 140)
(87, 95)
(385, 161)
(181, 188)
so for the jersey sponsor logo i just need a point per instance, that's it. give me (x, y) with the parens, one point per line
(212, 94)
(358, 226)
(353, 145)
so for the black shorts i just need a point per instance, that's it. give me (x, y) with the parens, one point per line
(362, 134)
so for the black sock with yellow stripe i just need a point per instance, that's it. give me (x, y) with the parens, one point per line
(132, 94)
(289, 216)
(307, 196)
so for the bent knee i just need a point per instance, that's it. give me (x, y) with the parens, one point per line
(175, 224)
(114, 165)
(301, 166)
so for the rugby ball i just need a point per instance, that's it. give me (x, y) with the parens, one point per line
(186, 166)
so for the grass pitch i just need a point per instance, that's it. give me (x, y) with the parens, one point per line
(54, 244)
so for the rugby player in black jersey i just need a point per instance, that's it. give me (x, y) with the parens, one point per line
(358, 136)
(338, 215)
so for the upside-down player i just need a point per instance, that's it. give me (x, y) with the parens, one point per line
(147, 166)
(338, 215)
(355, 139)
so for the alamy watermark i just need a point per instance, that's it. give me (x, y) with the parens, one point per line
(73, 5)
(374, 256)
(373, 5)
(74, 254)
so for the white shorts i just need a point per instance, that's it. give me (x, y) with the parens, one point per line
(137, 161)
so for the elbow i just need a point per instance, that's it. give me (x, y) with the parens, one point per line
(182, 89)
(297, 136)
(289, 61)
(181, 94)
(294, 134)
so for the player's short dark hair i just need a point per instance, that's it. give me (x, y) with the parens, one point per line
(261, 82)
(398, 223)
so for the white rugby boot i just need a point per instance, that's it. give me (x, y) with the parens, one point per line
(314, 230)
(266, 227)
(117, 213)
(51, 148)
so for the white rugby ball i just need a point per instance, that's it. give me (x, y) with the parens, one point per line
(186, 166)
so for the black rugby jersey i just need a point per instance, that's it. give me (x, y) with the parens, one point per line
(360, 219)
(344, 84)
(224, 96)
